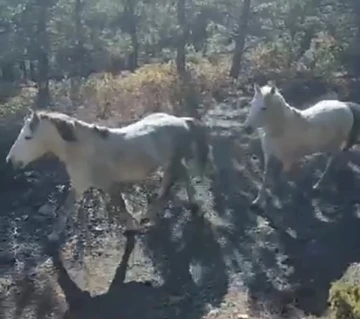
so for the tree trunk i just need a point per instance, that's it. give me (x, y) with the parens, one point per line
(79, 51)
(77, 56)
(133, 59)
(22, 67)
(43, 98)
(32, 71)
(240, 39)
(305, 41)
(132, 29)
(8, 72)
(180, 56)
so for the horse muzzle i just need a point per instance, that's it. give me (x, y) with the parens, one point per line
(16, 165)
(248, 129)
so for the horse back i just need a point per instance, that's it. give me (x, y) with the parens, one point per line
(158, 135)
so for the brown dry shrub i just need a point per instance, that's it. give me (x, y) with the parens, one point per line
(271, 56)
(152, 88)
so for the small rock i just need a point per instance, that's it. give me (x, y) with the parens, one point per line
(214, 312)
(46, 209)
(243, 316)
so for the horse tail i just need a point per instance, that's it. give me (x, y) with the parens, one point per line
(354, 133)
(200, 138)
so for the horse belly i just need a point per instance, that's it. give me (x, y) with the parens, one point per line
(135, 169)
(330, 128)
(290, 148)
(328, 138)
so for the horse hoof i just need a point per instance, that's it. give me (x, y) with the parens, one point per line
(142, 228)
(146, 223)
(255, 206)
(131, 232)
(316, 190)
(193, 207)
(51, 248)
(53, 237)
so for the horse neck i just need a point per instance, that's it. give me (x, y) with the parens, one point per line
(276, 126)
(290, 120)
(58, 149)
(294, 116)
(55, 145)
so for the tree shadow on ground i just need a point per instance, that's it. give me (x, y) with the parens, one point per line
(186, 252)
(24, 290)
(30, 297)
(21, 225)
(291, 252)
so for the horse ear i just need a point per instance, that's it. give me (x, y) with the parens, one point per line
(257, 88)
(35, 119)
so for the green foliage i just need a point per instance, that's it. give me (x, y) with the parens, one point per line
(84, 37)
(327, 55)
(345, 301)
(344, 296)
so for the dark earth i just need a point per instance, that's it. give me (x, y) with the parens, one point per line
(185, 265)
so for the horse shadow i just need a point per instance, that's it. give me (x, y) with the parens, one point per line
(115, 303)
(177, 297)
(289, 253)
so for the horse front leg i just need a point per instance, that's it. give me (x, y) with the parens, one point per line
(63, 214)
(259, 201)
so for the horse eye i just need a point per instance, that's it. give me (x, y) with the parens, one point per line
(263, 108)
(28, 138)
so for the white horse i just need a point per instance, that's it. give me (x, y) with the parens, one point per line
(109, 158)
(288, 134)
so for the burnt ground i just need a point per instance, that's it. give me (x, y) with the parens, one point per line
(186, 264)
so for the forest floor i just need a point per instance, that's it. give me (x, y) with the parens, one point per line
(231, 263)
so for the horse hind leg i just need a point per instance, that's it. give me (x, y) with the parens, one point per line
(338, 158)
(328, 166)
(167, 182)
(190, 191)
(171, 175)
(179, 170)
(118, 211)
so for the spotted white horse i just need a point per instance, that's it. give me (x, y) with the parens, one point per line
(107, 158)
(288, 134)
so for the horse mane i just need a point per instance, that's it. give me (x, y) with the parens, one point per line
(67, 125)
